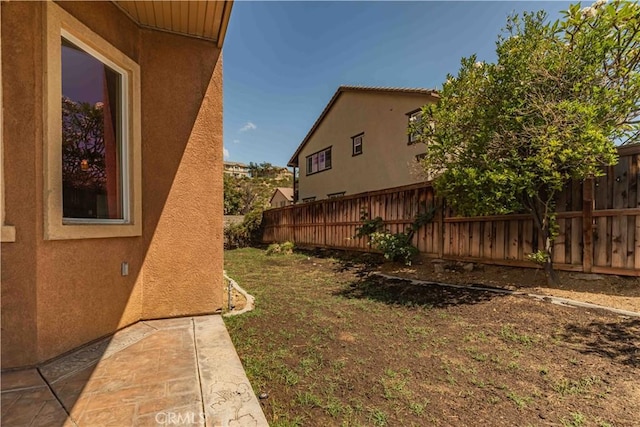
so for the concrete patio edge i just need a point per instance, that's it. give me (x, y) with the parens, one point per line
(179, 371)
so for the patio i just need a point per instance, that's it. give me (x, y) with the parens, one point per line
(181, 371)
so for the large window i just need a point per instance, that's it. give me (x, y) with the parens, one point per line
(320, 161)
(92, 134)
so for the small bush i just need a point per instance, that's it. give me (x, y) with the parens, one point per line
(285, 248)
(395, 247)
(247, 233)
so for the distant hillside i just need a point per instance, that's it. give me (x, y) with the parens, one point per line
(245, 194)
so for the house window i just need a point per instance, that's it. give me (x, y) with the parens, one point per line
(92, 134)
(356, 142)
(309, 199)
(414, 116)
(318, 162)
(335, 195)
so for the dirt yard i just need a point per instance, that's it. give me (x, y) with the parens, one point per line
(621, 292)
(330, 344)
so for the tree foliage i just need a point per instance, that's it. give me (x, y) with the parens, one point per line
(243, 194)
(83, 142)
(508, 136)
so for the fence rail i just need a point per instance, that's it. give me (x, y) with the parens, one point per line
(599, 224)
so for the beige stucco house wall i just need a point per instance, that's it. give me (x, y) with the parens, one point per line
(379, 116)
(63, 285)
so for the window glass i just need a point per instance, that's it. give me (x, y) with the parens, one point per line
(414, 117)
(91, 136)
(357, 145)
(319, 161)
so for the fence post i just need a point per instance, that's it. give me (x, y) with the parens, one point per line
(324, 222)
(440, 221)
(587, 225)
(294, 214)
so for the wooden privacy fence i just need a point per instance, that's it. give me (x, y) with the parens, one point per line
(599, 224)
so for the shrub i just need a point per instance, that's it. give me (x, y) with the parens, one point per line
(247, 233)
(395, 247)
(285, 248)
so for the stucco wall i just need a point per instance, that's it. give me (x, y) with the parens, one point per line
(57, 295)
(182, 154)
(22, 161)
(387, 161)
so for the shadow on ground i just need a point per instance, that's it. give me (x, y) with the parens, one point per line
(407, 293)
(617, 340)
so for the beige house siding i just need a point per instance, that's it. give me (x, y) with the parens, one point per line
(386, 160)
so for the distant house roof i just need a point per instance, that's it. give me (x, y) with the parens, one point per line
(242, 165)
(287, 192)
(293, 162)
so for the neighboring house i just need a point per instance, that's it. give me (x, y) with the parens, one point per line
(236, 169)
(282, 196)
(126, 223)
(360, 143)
(284, 173)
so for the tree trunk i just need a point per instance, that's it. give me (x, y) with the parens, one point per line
(549, 272)
(542, 223)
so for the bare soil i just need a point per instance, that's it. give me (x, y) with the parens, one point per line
(330, 344)
(621, 292)
(238, 301)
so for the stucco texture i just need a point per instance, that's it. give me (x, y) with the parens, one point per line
(386, 160)
(60, 294)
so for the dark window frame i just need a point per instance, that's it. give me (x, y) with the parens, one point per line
(353, 144)
(412, 138)
(309, 161)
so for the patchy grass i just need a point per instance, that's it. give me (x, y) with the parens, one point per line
(333, 345)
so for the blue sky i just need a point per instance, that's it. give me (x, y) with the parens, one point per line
(284, 60)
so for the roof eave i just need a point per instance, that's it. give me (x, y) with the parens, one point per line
(219, 29)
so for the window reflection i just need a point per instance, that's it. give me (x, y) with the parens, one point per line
(91, 137)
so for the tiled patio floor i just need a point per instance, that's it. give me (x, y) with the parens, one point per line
(169, 372)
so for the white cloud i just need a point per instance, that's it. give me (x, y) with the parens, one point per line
(236, 141)
(225, 152)
(248, 126)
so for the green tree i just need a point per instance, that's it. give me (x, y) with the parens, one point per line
(508, 136)
(243, 195)
(232, 196)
